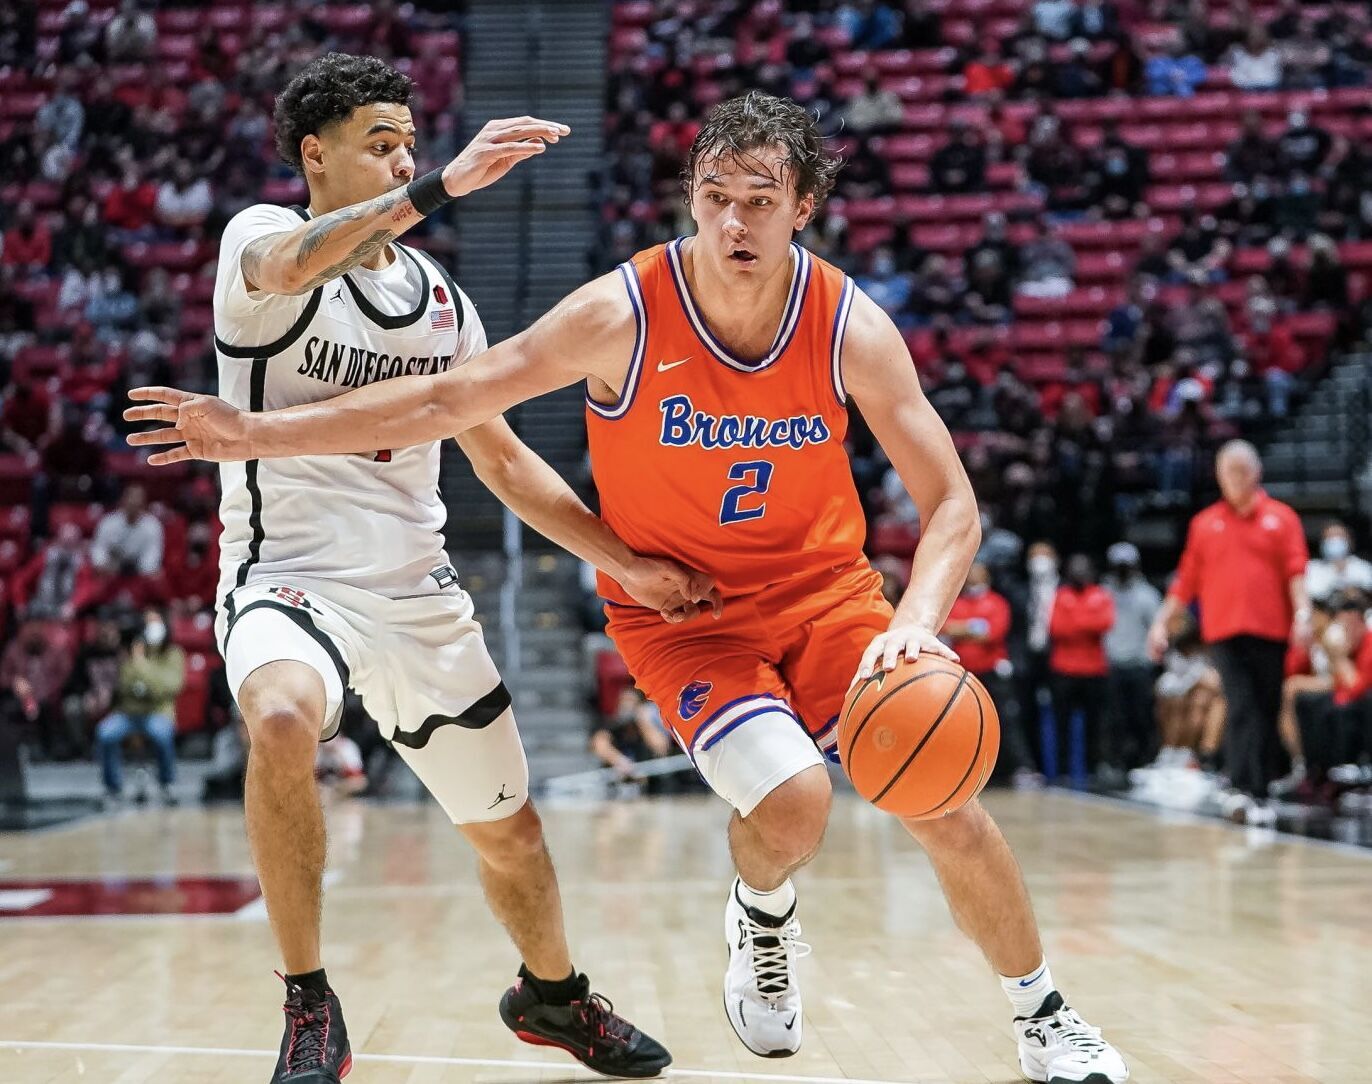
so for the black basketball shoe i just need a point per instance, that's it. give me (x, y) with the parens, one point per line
(314, 1049)
(587, 1029)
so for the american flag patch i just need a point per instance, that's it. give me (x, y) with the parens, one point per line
(443, 319)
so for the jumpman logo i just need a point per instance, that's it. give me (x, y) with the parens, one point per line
(501, 797)
(338, 294)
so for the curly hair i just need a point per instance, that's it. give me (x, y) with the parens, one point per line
(739, 127)
(328, 89)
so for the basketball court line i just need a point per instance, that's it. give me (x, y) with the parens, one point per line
(1190, 818)
(420, 1059)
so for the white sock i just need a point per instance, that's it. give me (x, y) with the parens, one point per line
(776, 902)
(1026, 992)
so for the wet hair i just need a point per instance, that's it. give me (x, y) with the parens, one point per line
(740, 127)
(327, 90)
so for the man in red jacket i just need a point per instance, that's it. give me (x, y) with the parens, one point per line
(976, 628)
(1245, 563)
(1083, 612)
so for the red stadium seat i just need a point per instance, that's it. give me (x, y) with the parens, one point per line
(83, 515)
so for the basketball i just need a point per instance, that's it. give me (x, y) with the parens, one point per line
(920, 740)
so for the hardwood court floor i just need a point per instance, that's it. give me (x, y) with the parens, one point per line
(1206, 952)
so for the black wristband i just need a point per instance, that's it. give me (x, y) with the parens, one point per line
(427, 193)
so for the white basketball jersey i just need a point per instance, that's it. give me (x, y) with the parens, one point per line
(370, 520)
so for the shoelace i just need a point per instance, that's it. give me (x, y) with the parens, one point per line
(772, 948)
(309, 1032)
(598, 1014)
(1071, 1030)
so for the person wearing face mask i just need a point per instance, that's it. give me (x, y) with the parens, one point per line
(1083, 612)
(1126, 648)
(977, 628)
(1041, 567)
(1337, 568)
(40, 661)
(1335, 729)
(144, 703)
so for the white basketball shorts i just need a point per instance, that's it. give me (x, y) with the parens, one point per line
(421, 667)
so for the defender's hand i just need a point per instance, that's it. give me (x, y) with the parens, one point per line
(678, 594)
(204, 426)
(497, 148)
(908, 640)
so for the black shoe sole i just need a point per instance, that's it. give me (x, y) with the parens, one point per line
(524, 1035)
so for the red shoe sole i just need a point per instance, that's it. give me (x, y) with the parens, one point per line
(346, 1068)
(538, 1040)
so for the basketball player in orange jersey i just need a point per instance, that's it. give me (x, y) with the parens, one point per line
(717, 369)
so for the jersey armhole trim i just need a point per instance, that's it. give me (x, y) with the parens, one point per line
(627, 394)
(845, 304)
(247, 353)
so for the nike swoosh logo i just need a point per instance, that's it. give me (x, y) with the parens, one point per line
(791, 1023)
(664, 366)
(1032, 978)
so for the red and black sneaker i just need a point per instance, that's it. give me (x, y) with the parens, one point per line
(588, 1029)
(314, 1049)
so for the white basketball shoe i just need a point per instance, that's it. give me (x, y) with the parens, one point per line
(1056, 1046)
(761, 992)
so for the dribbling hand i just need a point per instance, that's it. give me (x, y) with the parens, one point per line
(909, 641)
(205, 426)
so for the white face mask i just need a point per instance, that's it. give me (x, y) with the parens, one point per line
(976, 590)
(1334, 549)
(1042, 566)
(155, 634)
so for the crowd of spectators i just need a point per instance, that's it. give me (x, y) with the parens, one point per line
(1096, 380)
(128, 136)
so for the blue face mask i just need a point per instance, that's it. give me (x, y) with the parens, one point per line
(1334, 549)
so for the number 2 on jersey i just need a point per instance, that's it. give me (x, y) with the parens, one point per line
(757, 477)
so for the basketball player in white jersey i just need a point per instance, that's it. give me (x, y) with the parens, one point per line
(333, 573)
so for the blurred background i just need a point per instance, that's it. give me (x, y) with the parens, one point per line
(1114, 235)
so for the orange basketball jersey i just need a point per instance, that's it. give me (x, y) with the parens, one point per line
(734, 469)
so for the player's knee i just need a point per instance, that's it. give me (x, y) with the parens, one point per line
(964, 831)
(283, 708)
(790, 821)
(511, 841)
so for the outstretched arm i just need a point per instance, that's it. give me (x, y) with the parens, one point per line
(296, 261)
(589, 333)
(881, 377)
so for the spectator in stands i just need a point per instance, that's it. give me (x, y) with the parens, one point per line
(1338, 569)
(1077, 77)
(56, 583)
(62, 117)
(1272, 351)
(1296, 207)
(27, 244)
(1307, 671)
(1256, 64)
(977, 628)
(82, 237)
(1119, 177)
(1082, 614)
(1303, 147)
(1334, 726)
(885, 284)
(987, 73)
(994, 241)
(633, 734)
(29, 420)
(1252, 154)
(1189, 701)
(113, 307)
(876, 111)
(150, 679)
(960, 164)
(1054, 19)
(1096, 20)
(88, 695)
(866, 175)
(869, 24)
(130, 207)
(1245, 561)
(1326, 278)
(1042, 582)
(921, 27)
(937, 291)
(131, 34)
(39, 657)
(128, 539)
(1175, 72)
(19, 34)
(1047, 266)
(1125, 320)
(989, 290)
(183, 199)
(1126, 647)
(1282, 278)
(1198, 249)
(1304, 57)
(1152, 262)
(1350, 57)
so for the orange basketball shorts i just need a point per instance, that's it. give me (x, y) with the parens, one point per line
(793, 647)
